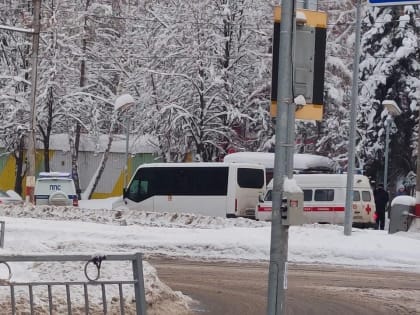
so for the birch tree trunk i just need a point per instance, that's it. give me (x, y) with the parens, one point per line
(74, 145)
(99, 171)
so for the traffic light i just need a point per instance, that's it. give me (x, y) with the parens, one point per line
(308, 63)
(283, 209)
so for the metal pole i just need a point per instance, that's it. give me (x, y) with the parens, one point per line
(290, 138)
(277, 282)
(388, 122)
(31, 152)
(139, 290)
(2, 227)
(417, 211)
(348, 214)
(127, 135)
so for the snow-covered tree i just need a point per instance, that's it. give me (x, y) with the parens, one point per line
(200, 73)
(389, 70)
(331, 134)
(206, 96)
(15, 85)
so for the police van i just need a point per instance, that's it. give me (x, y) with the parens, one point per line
(55, 188)
(325, 198)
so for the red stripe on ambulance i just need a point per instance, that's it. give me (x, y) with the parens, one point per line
(310, 209)
(261, 208)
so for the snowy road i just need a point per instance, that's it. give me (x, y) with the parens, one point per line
(241, 288)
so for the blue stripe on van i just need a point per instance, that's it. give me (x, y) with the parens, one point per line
(48, 196)
(42, 196)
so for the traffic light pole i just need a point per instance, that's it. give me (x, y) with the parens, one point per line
(348, 213)
(277, 282)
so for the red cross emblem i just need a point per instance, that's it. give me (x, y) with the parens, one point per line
(368, 209)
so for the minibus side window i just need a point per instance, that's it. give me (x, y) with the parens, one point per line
(324, 194)
(366, 196)
(307, 195)
(356, 195)
(208, 181)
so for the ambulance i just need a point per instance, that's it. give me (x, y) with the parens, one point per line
(324, 198)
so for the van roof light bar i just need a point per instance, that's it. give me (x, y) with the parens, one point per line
(54, 174)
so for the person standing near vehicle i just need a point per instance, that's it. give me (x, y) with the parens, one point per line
(401, 191)
(381, 201)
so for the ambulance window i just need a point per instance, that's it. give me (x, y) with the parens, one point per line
(366, 196)
(324, 194)
(356, 195)
(269, 196)
(307, 195)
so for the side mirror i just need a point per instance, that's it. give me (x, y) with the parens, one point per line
(78, 191)
(124, 192)
(261, 198)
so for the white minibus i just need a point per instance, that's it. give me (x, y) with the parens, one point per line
(213, 189)
(324, 199)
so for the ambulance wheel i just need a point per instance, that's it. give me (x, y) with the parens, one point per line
(230, 216)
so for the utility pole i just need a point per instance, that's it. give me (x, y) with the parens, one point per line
(31, 152)
(277, 282)
(348, 213)
(417, 211)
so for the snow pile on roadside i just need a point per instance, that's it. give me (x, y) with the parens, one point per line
(44, 230)
(25, 237)
(199, 237)
(415, 226)
(159, 297)
(126, 217)
(327, 244)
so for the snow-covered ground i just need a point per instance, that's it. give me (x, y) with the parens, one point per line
(94, 228)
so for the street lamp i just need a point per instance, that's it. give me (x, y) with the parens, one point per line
(122, 103)
(393, 111)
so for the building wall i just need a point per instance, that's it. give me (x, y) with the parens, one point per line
(7, 172)
(111, 183)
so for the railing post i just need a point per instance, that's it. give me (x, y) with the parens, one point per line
(2, 227)
(139, 284)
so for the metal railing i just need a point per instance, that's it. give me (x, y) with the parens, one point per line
(51, 301)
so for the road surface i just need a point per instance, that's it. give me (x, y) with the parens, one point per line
(241, 288)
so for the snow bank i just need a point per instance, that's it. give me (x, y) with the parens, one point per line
(200, 237)
(160, 298)
(127, 217)
(404, 200)
(68, 230)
